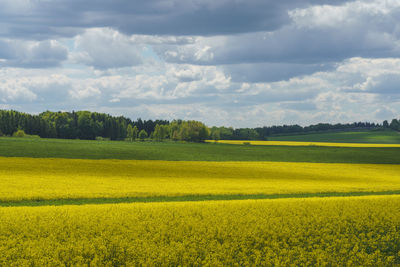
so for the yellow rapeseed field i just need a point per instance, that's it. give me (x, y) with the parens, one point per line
(356, 231)
(298, 143)
(29, 178)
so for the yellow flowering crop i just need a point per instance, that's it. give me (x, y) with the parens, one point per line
(297, 143)
(357, 231)
(29, 178)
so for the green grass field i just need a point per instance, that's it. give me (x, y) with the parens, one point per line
(81, 149)
(377, 137)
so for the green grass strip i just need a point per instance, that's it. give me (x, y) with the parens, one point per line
(84, 201)
(175, 151)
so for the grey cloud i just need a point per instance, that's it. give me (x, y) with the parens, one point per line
(13, 95)
(288, 45)
(38, 89)
(210, 100)
(385, 84)
(42, 54)
(51, 92)
(362, 32)
(44, 19)
(301, 106)
(269, 97)
(277, 97)
(104, 48)
(272, 72)
(384, 113)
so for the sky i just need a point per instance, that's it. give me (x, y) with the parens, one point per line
(239, 63)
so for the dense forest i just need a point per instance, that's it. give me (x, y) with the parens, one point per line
(93, 125)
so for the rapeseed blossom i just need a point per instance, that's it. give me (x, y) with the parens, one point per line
(32, 178)
(356, 231)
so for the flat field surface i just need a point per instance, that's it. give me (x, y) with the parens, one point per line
(375, 136)
(356, 231)
(53, 179)
(80, 149)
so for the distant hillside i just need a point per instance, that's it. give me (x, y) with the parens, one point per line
(387, 136)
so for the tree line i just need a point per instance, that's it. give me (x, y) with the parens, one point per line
(262, 133)
(93, 125)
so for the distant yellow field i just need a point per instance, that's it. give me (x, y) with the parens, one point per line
(357, 231)
(295, 143)
(30, 178)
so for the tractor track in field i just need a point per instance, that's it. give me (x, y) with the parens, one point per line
(87, 201)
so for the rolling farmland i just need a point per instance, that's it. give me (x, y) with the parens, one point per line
(199, 133)
(64, 206)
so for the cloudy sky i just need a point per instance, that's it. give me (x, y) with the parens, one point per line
(240, 63)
